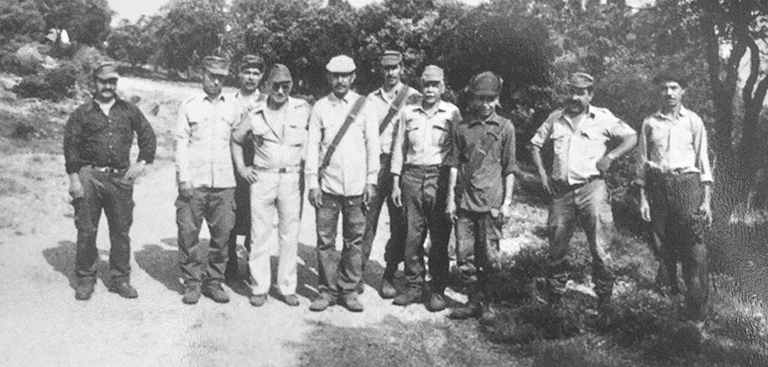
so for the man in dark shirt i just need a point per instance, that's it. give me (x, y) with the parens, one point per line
(483, 161)
(97, 145)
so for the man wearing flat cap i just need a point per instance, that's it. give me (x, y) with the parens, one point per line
(382, 106)
(420, 185)
(97, 146)
(341, 170)
(278, 131)
(206, 182)
(482, 176)
(580, 133)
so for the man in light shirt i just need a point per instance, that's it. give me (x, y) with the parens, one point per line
(344, 182)
(675, 178)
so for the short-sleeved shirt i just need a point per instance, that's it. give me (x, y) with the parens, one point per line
(481, 188)
(377, 108)
(424, 137)
(356, 160)
(249, 102)
(674, 144)
(203, 130)
(279, 136)
(579, 142)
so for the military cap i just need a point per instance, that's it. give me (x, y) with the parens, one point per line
(216, 65)
(341, 64)
(106, 70)
(486, 84)
(279, 73)
(432, 73)
(391, 58)
(581, 80)
(251, 61)
(676, 76)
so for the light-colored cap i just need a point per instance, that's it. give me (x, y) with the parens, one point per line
(581, 80)
(391, 58)
(432, 73)
(252, 61)
(486, 84)
(106, 70)
(279, 73)
(341, 64)
(216, 65)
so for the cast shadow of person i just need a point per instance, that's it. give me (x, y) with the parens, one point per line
(62, 259)
(161, 263)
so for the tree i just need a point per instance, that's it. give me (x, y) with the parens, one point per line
(20, 20)
(86, 21)
(132, 43)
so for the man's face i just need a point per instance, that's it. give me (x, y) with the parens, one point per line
(392, 74)
(671, 93)
(280, 92)
(250, 79)
(212, 83)
(432, 91)
(341, 82)
(484, 106)
(578, 100)
(105, 88)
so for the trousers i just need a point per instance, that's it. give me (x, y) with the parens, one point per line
(395, 247)
(341, 278)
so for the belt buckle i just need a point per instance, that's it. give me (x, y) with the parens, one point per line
(282, 170)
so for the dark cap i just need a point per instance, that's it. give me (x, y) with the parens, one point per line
(486, 84)
(391, 58)
(676, 76)
(216, 65)
(251, 61)
(106, 70)
(279, 73)
(432, 73)
(581, 80)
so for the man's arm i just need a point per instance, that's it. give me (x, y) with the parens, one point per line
(545, 181)
(508, 169)
(398, 157)
(372, 150)
(181, 153)
(312, 163)
(236, 147)
(72, 144)
(627, 143)
(147, 144)
(642, 151)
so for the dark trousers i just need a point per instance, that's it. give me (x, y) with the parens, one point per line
(343, 278)
(114, 194)
(394, 250)
(425, 189)
(217, 207)
(677, 230)
(242, 212)
(477, 246)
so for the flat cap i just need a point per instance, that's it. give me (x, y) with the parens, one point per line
(486, 84)
(216, 65)
(581, 80)
(432, 73)
(279, 73)
(106, 70)
(251, 61)
(341, 64)
(391, 58)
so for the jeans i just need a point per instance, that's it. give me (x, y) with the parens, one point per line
(394, 250)
(477, 246)
(343, 278)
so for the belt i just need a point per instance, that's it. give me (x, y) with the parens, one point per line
(106, 169)
(566, 185)
(280, 170)
(422, 166)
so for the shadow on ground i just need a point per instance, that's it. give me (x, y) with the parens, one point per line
(162, 264)
(62, 259)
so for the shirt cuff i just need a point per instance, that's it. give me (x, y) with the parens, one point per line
(312, 182)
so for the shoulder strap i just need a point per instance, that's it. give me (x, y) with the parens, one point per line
(343, 130)
(394, 107)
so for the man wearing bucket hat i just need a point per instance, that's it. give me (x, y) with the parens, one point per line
(419, 153)
(580, 133)
(383, 105)
(341, 170)
(97, 146)
(206, 182)
(278, 129)
(482, 177)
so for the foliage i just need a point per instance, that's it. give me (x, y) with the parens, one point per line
(132, 43)
(21, 21)
(53, 84)
(86, 21)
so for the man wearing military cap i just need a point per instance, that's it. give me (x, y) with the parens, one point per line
(580, 133)
(97, 145)
(482, 177)
(341, 170)
(206, 182)
(278, 130)
(382, 106)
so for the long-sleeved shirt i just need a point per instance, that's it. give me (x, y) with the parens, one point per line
(202, 152)
(579, 142)
(376, 108)
(424, 137)
(674, 144)
(95, 137)
(279, 136)
(356, 160)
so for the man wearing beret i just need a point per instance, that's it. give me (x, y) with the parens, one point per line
(580, 133)
(341, 170)
(482, 177)
(383, 105)
(206, 182)
(674, 178)
(97, 146)
(421, 148)
(278, 130)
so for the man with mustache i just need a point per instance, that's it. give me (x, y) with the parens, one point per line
(675, 178)
(97, 146)
(580, 133)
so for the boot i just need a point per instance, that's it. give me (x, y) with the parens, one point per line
(472, 309)
(388, 290)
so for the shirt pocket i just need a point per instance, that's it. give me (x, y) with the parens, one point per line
(413, 132)
(440, 133)
(260, 131)
(195, 130)
(559, 141)
(295, 134)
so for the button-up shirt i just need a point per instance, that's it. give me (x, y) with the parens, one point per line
(249, 102)
(356, 160)
(424, 137)
(94, 137)
(676, 143)
(579, 142)
(279, 136)
(203, 130)
(376, 108)
(481, 188)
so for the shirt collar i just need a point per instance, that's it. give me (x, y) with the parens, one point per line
(590, 114)
(95, 105)
(492, 119)
(206, 98)
(684, 112)
(380, 92)
(439, 108)
(346, 99)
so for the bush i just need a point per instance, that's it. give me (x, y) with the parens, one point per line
(54, 84)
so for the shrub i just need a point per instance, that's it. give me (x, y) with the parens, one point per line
(54, 84)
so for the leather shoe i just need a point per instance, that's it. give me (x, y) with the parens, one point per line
(258, 300)
(352, 303)
(124, 289)
(360, 287)
(191, 293)
(83, 291)
(411, 295)
(470, 310)
(291, 300)
(436, 302)
(323, 301)
(388, 290)
(214, 291)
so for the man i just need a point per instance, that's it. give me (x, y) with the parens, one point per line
(580, 133)
(422, 145)
(340, 182)
(383, 105)
(675, 179)
(206, 181)
(97, 145)
(483, 161)
(278, 130)
(248, 97)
